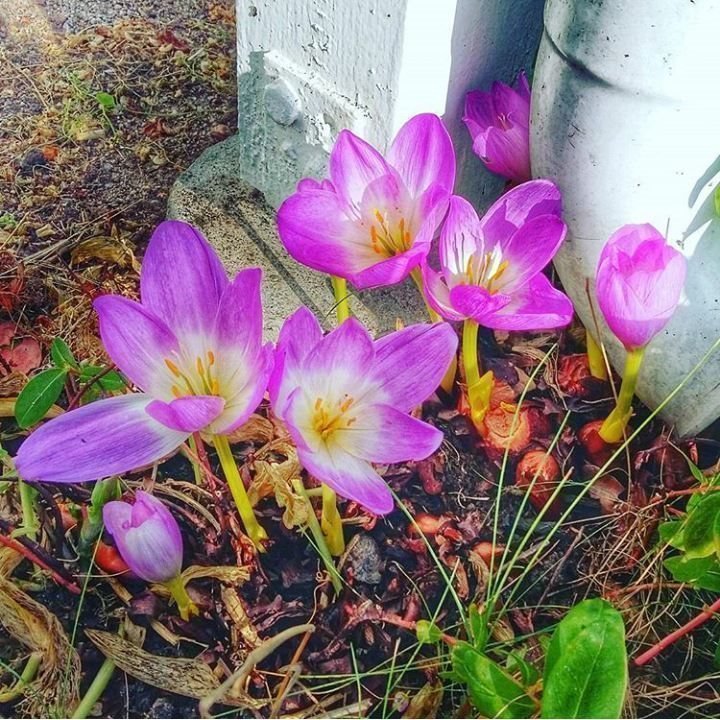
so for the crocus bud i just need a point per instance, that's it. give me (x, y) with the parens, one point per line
(147, 536)
(639, 281)
(499, 123)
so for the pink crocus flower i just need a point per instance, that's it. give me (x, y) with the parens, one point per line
(193, 346)
(373, 221)
(147, 537)
(639, 281)
(491, 268)
(499, 123)
(346, 399)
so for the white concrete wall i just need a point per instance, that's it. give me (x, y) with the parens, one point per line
(308, 68)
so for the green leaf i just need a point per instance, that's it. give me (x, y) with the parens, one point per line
(699, 531)
(427, 632)
(671, 533)
(38, 396)
(586, 666)
(479, 627)
(105, 100)
(62, 355)
(103, 492)
(528, 672)
(716, 196)
(492, 690)
(701, 573)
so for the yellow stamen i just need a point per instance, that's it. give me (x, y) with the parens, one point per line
(176, 391)
(211, 358)
(172, 367)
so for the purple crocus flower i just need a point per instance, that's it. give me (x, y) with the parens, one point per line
(491, 268)
(346, 399)
(193, 345)
(499, 123)
(374, 220)
(147, 537)
(639, 282)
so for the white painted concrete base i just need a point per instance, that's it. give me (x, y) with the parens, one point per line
(625, 120)
(309, 68)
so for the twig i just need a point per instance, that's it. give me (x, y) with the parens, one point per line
(696, 622)
(96, 378)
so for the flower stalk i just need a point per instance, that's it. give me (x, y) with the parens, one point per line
(342, 304)
(252, 527)
(613, 428)
(479, 386)
(319, 537)
(331, 522)
(596, 360)
(28, 495)
(186, 607)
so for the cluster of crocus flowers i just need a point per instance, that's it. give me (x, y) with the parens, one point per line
(346, 400)
(193, 346)
(491, 273)
(149, 540)
(639, 282)
(372, 222)
(499, 123)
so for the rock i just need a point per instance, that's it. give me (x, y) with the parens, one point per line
(365, 560)
(241, 225)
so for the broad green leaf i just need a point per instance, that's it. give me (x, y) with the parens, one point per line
(105, 100)
(62, 355)
(528, 672)
(671, 533)
(427, 632)
(492, 690)
(701, 573)
(586, 666)
(38, 396)
(699, 530)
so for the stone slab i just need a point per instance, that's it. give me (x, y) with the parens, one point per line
(240, 224)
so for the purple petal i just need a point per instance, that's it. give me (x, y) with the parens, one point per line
(137, 342)
(537, 306)
(479, 113)
(243, 390)
(639, 283)
(343, 354)
(460, 237)
(422, 152)
(152, 548)
(350, 477)
(239, 320)
(392, 270)
(518, 206)
(382, 434)
(437, 294)
(107, 437)
(410, 363)
(182, 279)
(473, 301)
(317, 232)
(354, 164)
(299, 334)
(530, 249)
(187, 414)
(507, 152)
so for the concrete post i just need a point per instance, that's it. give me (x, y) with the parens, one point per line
(308, 68)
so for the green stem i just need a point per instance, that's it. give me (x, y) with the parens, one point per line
(613, 428)
(479, 386)
(197, 472)
(331, 522)
(596, 361)
(96, 689)
(186, 607)
(342, 305)
(252, 527)
(319, 538)
(28, 674)
(31, 525)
